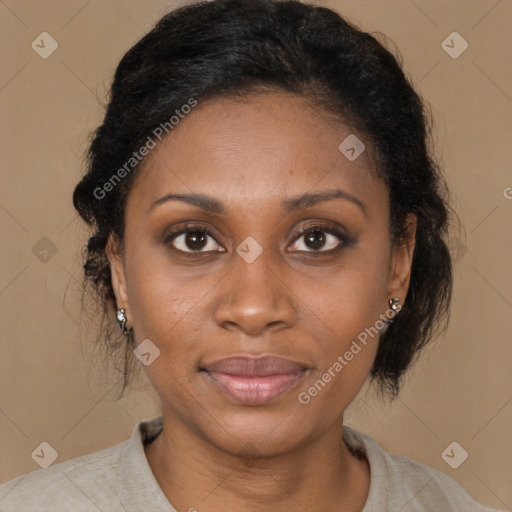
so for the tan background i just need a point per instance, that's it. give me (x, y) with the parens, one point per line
(52, 387)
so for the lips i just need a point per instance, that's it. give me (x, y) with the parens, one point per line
(254, 380)
(254, 366)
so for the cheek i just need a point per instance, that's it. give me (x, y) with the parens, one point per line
(347, 342)
(344, 318)
(168, 308)
(169, 314)
(351, 297)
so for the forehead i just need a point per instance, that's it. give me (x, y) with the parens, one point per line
(258, 149)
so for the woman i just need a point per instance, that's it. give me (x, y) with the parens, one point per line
(269, 231)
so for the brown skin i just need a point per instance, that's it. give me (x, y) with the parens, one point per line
(294, 301)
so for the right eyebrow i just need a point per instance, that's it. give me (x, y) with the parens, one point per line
(202, 201)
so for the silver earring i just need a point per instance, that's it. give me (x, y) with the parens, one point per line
(121, 320)
(394, 304)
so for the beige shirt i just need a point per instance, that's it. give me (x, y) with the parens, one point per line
(120, 479)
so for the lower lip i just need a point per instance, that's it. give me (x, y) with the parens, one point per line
(254, 390)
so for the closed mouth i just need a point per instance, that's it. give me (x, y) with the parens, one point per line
(254, 380)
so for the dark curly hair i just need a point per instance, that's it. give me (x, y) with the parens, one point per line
(232, 47)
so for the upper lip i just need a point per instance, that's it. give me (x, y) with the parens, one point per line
(260, 366)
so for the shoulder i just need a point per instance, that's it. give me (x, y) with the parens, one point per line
(404, 484)
(81, 484)
(115, 480)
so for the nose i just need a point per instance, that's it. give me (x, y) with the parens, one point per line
(254, 298)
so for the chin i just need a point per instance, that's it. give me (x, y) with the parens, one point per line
(257, 433)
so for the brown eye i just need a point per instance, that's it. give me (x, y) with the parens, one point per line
(194, 240)
(315, 239)
(318, 239)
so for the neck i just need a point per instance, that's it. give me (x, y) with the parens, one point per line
(323, 475)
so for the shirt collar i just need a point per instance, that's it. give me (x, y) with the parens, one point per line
(139, 488)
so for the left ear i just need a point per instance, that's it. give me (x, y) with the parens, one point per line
(400, 271)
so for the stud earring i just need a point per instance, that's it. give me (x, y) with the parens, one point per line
(394, 304)
(121, 320)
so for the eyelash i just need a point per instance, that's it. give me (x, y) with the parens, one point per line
(344, 240)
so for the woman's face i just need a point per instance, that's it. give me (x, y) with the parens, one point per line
(246, 283)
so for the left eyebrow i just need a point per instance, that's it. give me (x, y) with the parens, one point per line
(308, 200)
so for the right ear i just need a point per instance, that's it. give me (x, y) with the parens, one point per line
(118, 274)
